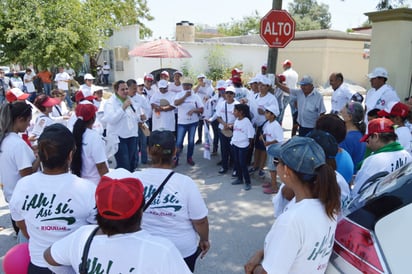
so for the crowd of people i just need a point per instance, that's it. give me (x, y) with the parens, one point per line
(54, 142)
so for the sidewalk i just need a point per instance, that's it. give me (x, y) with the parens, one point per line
(239, 220)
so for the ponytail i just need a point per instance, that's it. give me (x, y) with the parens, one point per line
(9, 113)
(78, 129)
(327, 190)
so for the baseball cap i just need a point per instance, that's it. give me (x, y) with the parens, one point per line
(265, 66)
(253, 80)
(306, 80)
(163, 84)
(301, 154)
(378, 72)
(378, 125)
(149, 77)
(139, 81)
(80, 96)
(88, 76)
(178, 72)
(119, 195)
(96, 88)
(236, 71)
(230, 89)
(236, 79)
(164, 139)
(15, 94)
(46, 101)
(287, 63)
(221, 84)
(165, 73)
(187, 81)
(265, 81)
(394, 109)
(281, 78)
(326, 141)
(86, 112)
(273, 109)
(201, 76)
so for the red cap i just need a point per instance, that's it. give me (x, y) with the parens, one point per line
(49, 102)
(86, 111)
(118, 199)
(149, 77)
(378, 125)
(236, 71)
(282, 78)
(15, 94)
(287, 63)
(397, 109)
(79, 96)
(236, 79)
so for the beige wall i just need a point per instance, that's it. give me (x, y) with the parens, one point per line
(391, 47)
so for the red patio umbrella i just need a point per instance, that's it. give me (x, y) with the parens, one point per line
(161, 48)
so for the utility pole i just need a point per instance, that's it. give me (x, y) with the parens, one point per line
(273, 52)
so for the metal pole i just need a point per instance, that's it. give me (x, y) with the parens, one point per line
(273, 52)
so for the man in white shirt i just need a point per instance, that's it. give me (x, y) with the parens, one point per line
(106, 72)
(291, 82)
(205, 91)
(28, 79)
(342, 94)
(62, 79)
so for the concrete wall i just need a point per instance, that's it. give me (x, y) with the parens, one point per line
(391, 47)
(317, 53)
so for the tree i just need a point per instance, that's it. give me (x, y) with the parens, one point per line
(310, 15)
(46, 33)
(388, 4)
(248, 25)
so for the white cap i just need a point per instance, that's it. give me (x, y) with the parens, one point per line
(221, 84)
(162, 84)
(378, 72)
(96, 88)
(230, 89)
(272, 108)
(254, 80)
(88, 76)
(265, 81)
(139, 81)
(201, 76)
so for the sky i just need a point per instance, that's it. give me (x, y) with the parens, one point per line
(345, 14)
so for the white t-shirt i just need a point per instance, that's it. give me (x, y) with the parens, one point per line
(272, 131)
(173, 88)
(191, 102)
(291, 78)
(170, 214)
(221, 111)
(380, 98)
(92, 153)
(86, 90)
(404, 138)
(383, 161)
(261, 102)
(52, 207)
(15, 155)
(61, 79)
(137, 252)
(301, 240)
(242, 131)
(106, 69)
(342, 95)
(142, 104)
(29, 85)
(164, 119)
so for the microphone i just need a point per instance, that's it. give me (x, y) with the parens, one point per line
(131, 105)
(132, 108)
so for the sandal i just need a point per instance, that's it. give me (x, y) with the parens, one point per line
(270, 190)
(266, 185)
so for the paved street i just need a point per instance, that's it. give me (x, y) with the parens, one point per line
(239, 220)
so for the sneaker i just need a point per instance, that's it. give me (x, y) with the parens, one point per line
(247, 186)
(190, 162)
(261, 174)
(270, 190)
(234, 173)
(237, 182)
(252, 170)
(198, 142)
(266, 185)
(222, 171)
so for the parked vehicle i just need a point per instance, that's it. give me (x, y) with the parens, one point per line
(375, 234)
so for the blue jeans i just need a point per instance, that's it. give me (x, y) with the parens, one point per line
(68, 99)
(142, 140)
(226, 150)
(126, 155)
(47, 88)
(239, 154)
(215, 128)
(181, 132)
(32, 96)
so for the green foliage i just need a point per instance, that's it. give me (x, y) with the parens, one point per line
(217, 63)
(388, 4)
(310, 15)
(248, 25)
(46, 33)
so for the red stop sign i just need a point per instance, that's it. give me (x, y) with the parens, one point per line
(277, 28)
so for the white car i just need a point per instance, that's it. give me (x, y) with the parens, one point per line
(375, 234)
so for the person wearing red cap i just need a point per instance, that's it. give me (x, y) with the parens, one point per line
(387, 154)
(45, 104)
(52, 203)
(291, 82)
(398, 113)
(118, 243)
(149, 89)
(164, 75)
(205, 91)
(89, 159)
